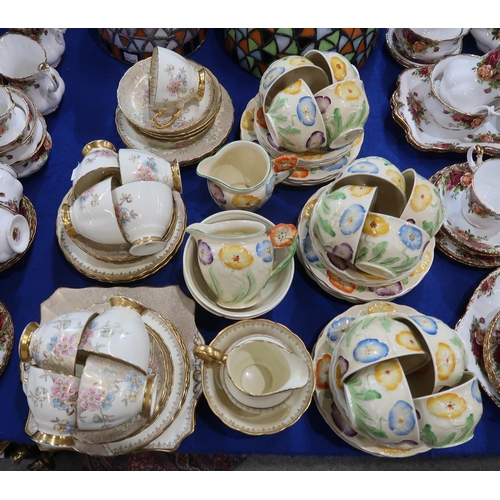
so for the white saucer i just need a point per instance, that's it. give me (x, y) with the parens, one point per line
(455, 225)
(265, 422)
(192, 153)
(422, 132)
(123, 271)
(337, 286)
(321, 353)
(272, 294)
(37, 160)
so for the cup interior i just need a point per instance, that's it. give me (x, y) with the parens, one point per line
(486, 184)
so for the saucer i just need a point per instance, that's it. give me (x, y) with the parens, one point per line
(6, 337)
(176, 421)
(422, 132)
(491, 346)
(27, 209)
(398, 53)
(272, 294)
(473, 326)
(455, 225)
(265, 422)
(37, 161)
(321, 353)
(123, 271)
(194, 151)
(337, 286)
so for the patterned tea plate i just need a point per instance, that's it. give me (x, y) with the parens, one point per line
(6, 337)
(322, 353)
(422, 132)
(491, 352)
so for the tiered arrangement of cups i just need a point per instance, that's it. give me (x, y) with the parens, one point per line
(33, 88)
(399, 380)
(121, 205)
(371, 226)
(86, 374)
(169, 98)
(15, 234)
(314, 106)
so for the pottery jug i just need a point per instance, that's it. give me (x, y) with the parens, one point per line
(236, 258)
(242, 176)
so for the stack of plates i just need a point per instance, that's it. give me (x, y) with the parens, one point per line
(25, 146)
(186, 138)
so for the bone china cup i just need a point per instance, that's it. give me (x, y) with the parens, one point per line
(14, 234)
(144, 212)
(93, 214)
(11, 189)
(111, 393)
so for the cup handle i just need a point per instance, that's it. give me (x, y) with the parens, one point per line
(209, 354)
(291, 252)
(47, 72)
(490, 111)
(470, 158)
(284, 167)
(159, 114)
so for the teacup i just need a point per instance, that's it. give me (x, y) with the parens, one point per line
(144, 213)
(424, 207)
(379, 172)
(52, 40)
(111, 393)
(23, 63)
(14, 234)
(294, 119)
(486, 38)
(335, 65)
(481, 200)
(97, 164)
(93, 215)
(54, 345)
(138, 165)
(52, 401)
(344, 108)
(13, 121)
(119, 333)
(6, 107)
(173, 81)
(287, 70)
(11, 189)
(258, 372)
(389, 246)
(449, 418)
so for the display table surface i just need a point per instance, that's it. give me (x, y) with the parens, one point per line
(87, 112)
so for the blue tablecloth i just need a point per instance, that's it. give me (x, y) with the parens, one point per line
(87, 112)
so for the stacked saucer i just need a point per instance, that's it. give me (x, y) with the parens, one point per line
(24, 140)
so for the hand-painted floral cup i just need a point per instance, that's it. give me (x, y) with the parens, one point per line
(387, 416)
(137, 165)
(424, 207)
(294, 119)
(52, 401)
(93, 214)
(337, 67)
(389, 247)
(14, 234)
(111, 393)
(429, 45)
(144, 213)
(446, 348)
(54, 345)
(449, 418)
(337, 220)
(284, 72)
(481, 201)
(11, 189)
(119, 333)
(344, 108)
(14, 121)
(374, 338)
(379, 172)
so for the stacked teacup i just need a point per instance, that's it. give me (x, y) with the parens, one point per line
(86, 373)
(314, 106)
(169, 98)
(372, 225)
(121, 199)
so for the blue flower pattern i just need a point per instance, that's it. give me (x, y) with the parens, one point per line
(370, 350)
(264, 249)
(401, 418)
(306, 111)
(411, 236)
(352, 219)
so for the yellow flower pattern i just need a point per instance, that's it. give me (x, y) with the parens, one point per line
(446, 405)
(407, 339)
(375, 225)
(339, 68)
(348, 90)
(360, 191)
(245, 201)
(389, 374)
(248, 120)
(421, 198)
(294, 88)
(235, 257)
(445, 361)
(396, 177)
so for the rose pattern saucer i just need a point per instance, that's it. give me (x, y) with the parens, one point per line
(6, 337)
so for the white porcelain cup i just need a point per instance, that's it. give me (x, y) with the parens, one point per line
(14, 234)
(52, 401)
(23, 63)
(481, 201)
(6, 106)
(112, 392)
(144, 213)
(54, 345)
(119, 333)
(11, 189)
(14, 120)
(93, 214)
(138, 165)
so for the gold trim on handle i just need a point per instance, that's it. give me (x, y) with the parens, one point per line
(24, 342)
